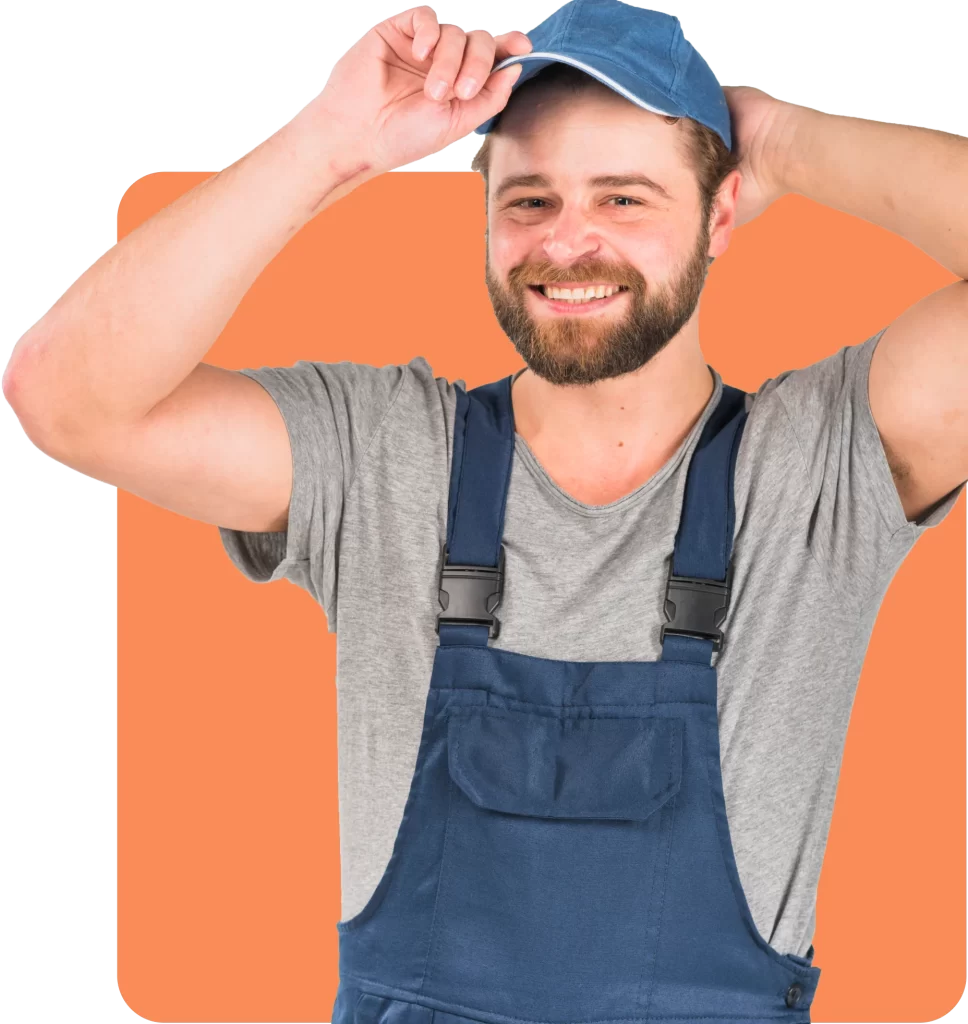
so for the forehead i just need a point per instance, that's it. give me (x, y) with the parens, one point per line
(569, 139)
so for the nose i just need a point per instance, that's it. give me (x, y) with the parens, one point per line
(569, 236)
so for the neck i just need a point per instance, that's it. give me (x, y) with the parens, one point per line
(608, 437)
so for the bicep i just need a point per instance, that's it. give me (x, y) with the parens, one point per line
(216, 449)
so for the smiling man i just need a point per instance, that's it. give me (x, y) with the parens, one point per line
(601, 621)
(580, 314)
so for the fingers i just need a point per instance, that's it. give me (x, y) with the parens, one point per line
(491, 99)
(425, 31)
(447, 57)
(478, 60)
(460, 62)
(511, 44)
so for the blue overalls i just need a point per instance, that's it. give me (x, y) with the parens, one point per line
(564, 854)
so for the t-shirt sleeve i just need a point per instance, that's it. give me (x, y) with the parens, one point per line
(332, 412)
(858, 528)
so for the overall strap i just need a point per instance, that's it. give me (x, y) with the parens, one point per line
(472, 566)
(698, 589)
(472, 563)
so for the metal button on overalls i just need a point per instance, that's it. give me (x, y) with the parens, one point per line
(794, 992)
(564, 853)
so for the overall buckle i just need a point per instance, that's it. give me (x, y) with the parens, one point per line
(471, 593)
(696, 606)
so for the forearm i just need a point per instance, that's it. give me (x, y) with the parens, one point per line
(138, 321)
(910, 180)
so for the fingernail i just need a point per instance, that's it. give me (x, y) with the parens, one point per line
(466, 87)
(438, 90)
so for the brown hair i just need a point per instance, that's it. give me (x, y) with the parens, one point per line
(703, 148)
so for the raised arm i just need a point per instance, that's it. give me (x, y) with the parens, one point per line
(911, 181)
(110, 381)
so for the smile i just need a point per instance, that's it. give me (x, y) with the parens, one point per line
(576, 299)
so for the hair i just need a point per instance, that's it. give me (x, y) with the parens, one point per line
(702, 147)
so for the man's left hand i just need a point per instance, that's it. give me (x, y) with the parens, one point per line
(760, 125)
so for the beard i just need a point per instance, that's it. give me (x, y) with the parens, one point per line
(583, 349)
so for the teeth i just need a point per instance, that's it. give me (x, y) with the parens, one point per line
(600, 291)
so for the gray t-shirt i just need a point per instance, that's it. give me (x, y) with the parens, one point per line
(820, 531)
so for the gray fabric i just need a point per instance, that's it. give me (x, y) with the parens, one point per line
(820, 531)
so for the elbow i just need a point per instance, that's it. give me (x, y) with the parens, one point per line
(33, 423)
(27, 394)
(17, 388)
(15, 372)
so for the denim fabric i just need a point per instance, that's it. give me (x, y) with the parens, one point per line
(640, 54)
(564, 853)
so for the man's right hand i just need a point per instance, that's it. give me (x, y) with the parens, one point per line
(381, 90)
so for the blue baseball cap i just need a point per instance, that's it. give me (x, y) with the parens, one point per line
(641, 54)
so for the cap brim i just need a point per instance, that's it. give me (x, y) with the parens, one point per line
(605, 71)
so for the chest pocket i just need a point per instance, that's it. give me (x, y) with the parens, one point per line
(564, 767)
(556, 826)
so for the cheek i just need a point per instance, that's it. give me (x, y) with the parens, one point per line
(507, 250)
(653, 254)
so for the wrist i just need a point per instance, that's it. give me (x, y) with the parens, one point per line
(333, 152)
(791, 145)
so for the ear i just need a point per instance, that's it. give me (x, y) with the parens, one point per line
(722, 216)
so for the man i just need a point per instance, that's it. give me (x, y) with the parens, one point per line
(609, 889)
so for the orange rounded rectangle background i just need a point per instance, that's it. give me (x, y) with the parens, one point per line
(228, 843)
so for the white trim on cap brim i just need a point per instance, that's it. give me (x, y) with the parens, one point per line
(588, 69)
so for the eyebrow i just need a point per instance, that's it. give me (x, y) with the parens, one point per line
(600, 181)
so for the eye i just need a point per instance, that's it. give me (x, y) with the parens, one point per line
(628, 199)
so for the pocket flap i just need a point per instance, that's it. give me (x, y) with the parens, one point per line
(545, 766)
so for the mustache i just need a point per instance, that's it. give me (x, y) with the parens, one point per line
(549, 273)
